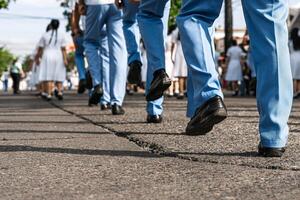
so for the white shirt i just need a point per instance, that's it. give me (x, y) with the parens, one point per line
(99, 2)
(235, 53)
(56, 42)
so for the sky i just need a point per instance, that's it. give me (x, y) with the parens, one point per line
(20, 34)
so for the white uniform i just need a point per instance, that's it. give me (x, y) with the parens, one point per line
(169, 62)
(35, 70)
(180, 66)
(52, 64)
(295, 64)
(234, 71)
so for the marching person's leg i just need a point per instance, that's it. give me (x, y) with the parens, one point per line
(206, 107)
(153, 21)
(117, 59)
(80, 64)
(150, 19)
(266, 21)
(94, 22)
(104, 59)
(132, 37)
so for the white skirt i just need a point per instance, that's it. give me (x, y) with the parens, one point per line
(52, 67)
(295, 64)
(169, 64)
(234, 71)
(180, 66)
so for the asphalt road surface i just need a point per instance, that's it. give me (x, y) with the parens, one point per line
(67, 150)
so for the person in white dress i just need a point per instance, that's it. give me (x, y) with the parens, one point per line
(295, 60)
(180, 66)
(234, 67)
(169, 61)
(35, 68)
(52, 51)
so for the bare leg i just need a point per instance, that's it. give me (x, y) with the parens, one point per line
(176, 87)
(181, 86)
(59, 86)
(171, 89)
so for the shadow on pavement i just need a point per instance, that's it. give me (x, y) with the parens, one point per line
(52, 131)
(42, 122)
(91, 152)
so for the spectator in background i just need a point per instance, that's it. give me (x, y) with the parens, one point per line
(16, 72)
(295, 61)
(5, 77)
(169, 60)
(234, 68)
(180, 66)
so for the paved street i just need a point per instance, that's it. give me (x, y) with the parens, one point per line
(67, 150)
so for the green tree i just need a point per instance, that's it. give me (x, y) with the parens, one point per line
(26, 65)
(67, 13)
(6, 59)
(175, 8)
(71, 61)
(4, 3)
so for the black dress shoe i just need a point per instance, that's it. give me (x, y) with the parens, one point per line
(160, 83)
(96, 95)
(134, 74)
(180, 96)
(206, 116)
(270, 152)
(48, 98)
(117, 110)
(105, 107)
(55, 92)
(81, 86)
(156, 119)
(60, 97)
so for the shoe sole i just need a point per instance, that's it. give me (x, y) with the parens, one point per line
(118, 113)
(270, 153)
(154, 122)
(158, 92)
(208, 124)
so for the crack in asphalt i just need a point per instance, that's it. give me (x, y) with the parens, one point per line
(162, 151)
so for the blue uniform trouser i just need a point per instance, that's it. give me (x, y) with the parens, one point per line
(153, 22)
(79, 57)
(104, 62)
(131, 31)
(98, 16)
(266, 22)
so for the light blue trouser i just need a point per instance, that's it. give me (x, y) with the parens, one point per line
(98, 16)
(266, 22)
(131, 31)
(79, 57)
(153, 19)
(104, 60)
